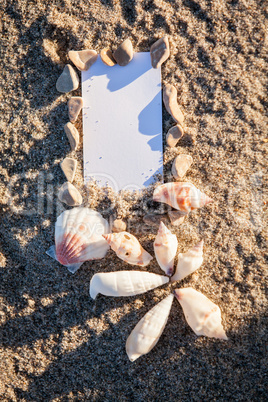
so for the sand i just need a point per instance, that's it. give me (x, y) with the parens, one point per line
(56, 344)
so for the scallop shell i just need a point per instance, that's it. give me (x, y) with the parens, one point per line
(147, 332)
(124, 283)
(182, 196)
(78, 237)
(128, 248)
(189, 262)
(203, 316)
(165, 248)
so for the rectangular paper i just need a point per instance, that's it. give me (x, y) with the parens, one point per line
(122, 123)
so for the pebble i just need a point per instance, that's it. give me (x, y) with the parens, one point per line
(83, 59)
(68, 80)
(159, 52)
(107, 57)
(68, 166)
(174, 134)
(72, 134)
(171, 104)
(124, 53)
(119, 226)
(176, 217)
(75, 105)
(155, 219)
(180, 165)
(70, 195)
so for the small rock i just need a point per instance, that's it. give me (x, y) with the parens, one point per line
(159, 52)
(176, 217)
(180, 165)
(155, 219)
(72, 134)
(171, 104)
(75, 105)
(83, 59)
(107, 57)
(68, 80)
(124, 53)
(119, 226)
(68, 166)
(70, 195)
(174, 134)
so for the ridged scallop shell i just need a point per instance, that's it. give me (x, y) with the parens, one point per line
(189, 262)
(165, 248)
(128, 248)
(78, 237)
(203, 316)
(124, 283)
(182, 196)
(147, 332)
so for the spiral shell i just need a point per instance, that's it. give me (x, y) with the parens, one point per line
(124, 283)
(147, 332)
(189, 262)
(128, 248)
(182, 196)
(165, 248)
(78, 237)
(203, 316)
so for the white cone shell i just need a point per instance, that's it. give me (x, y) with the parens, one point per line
(124, 283)
(189, 262)
(203, 316)
(148, 330)
(165, 249)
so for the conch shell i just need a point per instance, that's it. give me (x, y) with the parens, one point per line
(128, 248)
(148, 330)
(165, 248)
(203, 316)
(78, 237)
(189, 262)
(124, 283)
(182, 196)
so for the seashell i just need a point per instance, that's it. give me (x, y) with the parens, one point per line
(165, 248)
(147, 332)
(78, 237)
(128, 248)
(124, 283)
(182, 196)
(189, 262)
(203, 316)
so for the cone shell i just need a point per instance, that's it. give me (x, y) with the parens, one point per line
(182, 196)
(128, 248)
(203, 316)
(148, 330)
(124, 283)
(165, 248)
(189, 262)
(78, 237)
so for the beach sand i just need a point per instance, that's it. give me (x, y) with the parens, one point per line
(56, 344)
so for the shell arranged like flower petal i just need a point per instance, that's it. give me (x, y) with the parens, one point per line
(78, 237)
(128, 248)
(189, 262)
(124, 283)
(203, 316)
(165, 248)
(182, 196)
(147, 332)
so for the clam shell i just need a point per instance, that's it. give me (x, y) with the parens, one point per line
(189, 262)
(165, 248)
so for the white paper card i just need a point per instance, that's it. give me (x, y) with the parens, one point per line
(122, 123)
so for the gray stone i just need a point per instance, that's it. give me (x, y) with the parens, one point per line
(70, 195)
(180, 165)
(159, 52)
(174, 134)
(68, 80)
(68, 166)
(155, 219)
(124, 53)
(171, 104)
(176, 217)
(119, 226)
(107, 57)
(72, 135)
(83, 59)
(75, 104)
